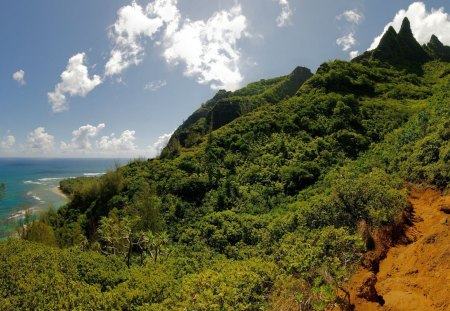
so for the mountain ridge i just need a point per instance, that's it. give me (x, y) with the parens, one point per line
(403, 51)
(226, 106)
(400, 49)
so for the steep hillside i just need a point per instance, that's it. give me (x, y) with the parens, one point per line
(268, 197)
(225, 106)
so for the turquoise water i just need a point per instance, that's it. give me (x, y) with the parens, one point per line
(30, 184)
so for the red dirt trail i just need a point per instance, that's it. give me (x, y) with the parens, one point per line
(414, 276)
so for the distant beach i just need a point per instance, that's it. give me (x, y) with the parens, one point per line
(33, 185)
(58, 191)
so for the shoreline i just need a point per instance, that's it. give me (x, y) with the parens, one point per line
(57, 190)
(18, 215)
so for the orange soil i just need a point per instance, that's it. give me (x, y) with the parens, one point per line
(414, 276)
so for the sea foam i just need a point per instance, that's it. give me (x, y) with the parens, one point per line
(93, 174)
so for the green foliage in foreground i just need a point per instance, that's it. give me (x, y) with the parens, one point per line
(271, 211)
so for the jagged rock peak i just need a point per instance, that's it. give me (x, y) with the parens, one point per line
(435, 44)
(437, 50)
(435, 41)
(405, 29)
(399, 49)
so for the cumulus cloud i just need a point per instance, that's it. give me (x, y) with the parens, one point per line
(75, 81)
(39, 140)
(19, 76)
(207, 48)
(352, 19)
(127, 33)
(155, 85)
(346, 42)
(125, 142)
(158, 146)
(284, 19)
(7, 142)
(423, 24)
(351, 16)
(81, 138)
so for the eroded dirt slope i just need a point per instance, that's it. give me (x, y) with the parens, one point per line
(414, 276)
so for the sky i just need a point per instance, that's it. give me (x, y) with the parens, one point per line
(114, 78)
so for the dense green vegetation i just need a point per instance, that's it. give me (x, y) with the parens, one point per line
(225, 106)
(269, 206)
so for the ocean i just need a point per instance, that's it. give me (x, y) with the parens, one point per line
(30, 184)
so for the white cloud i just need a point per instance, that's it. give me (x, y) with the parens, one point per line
(7, 142)
(125, 142)
(127, 33)
(158, 146)
(75, 81)
(19, 76)
(118, 62)
(353, 54)
(208, 49)
(284, 19)
(155, 85)
(167, 11)
(423, 24)
(39, 140)
(346, 42)
(351, 16)
(81, 138)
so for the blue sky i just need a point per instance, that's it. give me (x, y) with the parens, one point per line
(113, 78)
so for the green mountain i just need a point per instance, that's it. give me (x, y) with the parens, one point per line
(265, 198)
(225, 107)
(401, 50)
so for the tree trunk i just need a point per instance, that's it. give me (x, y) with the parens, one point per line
(130, 248)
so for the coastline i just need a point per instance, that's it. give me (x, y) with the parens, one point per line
(57, 190)
(16, 219)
